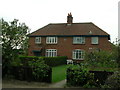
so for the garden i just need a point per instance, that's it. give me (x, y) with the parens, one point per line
(98, 70)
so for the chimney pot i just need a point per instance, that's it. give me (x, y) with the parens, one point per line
(69, 19)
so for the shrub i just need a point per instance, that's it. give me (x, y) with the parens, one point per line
(55, 61)
(101, 59)
(80, 76)
(51, 61)
(113, 81)
(26, 59)
(39, 69)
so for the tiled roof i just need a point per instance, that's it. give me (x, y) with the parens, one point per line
(73, 29)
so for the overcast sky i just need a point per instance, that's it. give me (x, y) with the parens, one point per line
(38, 13)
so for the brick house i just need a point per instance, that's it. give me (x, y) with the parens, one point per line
(68, 39)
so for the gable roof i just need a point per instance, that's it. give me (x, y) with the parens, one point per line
(62, 29)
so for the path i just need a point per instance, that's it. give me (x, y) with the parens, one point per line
(60, 84)
(25, 84)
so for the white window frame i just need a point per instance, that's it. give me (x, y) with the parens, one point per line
(51, 52)
(94, 40)
(78, 40)
(80, 53)
(37, 40)
(51, 40)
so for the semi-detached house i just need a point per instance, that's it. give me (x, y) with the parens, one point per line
(68, 39)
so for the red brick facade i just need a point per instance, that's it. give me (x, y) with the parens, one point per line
(65, 45)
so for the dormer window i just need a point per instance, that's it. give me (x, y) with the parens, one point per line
(78, 40)
(51, 40)
(37, 40)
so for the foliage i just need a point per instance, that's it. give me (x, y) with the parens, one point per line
(25, 59)
(51, 61)
(13, 37)
(55, 61)
(118, 59)
(101, 59)
(113, 81)
(80, 76)
(40, 69)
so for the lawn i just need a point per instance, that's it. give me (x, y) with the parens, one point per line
(59, 73)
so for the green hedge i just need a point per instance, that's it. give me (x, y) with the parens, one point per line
(80, 76)
(24, 59)
(55, 61)
(51, 61)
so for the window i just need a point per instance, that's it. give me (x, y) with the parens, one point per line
(51, 52)
(78, 54)
(78, 40)
(37, 40)
(51, 40)
(94, 40)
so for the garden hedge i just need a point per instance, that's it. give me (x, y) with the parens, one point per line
(51, 61)
(80, 76)
(55, 61)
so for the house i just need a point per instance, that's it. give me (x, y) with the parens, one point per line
(68, 39)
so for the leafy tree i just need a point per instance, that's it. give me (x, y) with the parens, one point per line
(14, 36)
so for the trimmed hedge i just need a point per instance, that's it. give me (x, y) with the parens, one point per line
(24, 59)
(55, 61)
(51, 61)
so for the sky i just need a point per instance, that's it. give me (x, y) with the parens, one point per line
(38, 13)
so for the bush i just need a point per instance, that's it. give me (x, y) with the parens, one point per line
(101, 59)
(31, 68)
(113, 81)
(40, 70)
(51, 61)
(80, 76)
(55, 61)
(25, 59)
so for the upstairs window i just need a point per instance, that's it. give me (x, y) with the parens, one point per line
(78, 40)
(94, 40)
(51, 40)
(51, 52)
(37, 40)
(78, 54)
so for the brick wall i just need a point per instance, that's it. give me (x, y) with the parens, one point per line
(65, 45)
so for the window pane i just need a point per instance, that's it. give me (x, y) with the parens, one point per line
(51, 40)
(51, 52)
(37, 39)
(78, 40)
(94, 40)
(78, 54)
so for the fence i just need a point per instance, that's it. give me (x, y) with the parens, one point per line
(25, 73)
(101, 76)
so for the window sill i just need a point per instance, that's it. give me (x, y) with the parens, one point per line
(94, 44)
(37, 43)
(51, 43)
(78, 59)
(78, 44)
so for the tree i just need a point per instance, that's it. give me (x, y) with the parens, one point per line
(14, 36)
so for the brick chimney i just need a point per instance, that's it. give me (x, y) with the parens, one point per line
(69, 19)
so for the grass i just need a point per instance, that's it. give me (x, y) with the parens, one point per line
(59, 73)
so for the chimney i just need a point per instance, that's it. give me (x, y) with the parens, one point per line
(69, 19)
